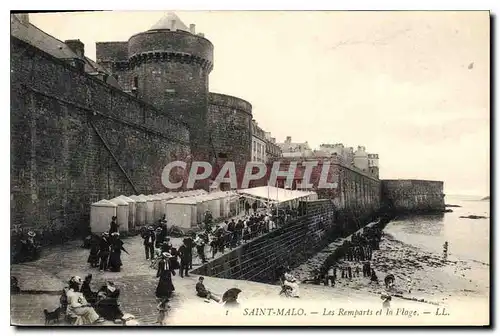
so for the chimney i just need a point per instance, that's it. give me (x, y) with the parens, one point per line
(192, 28)
(172, 25)
(201, 34)
(288, 139)
(77, 46)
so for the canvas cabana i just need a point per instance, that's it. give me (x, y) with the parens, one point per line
(269, 195)
(100, 215)
(140, 209)
(131, 211)
(150, 209)
(182, 212)
(121, 213)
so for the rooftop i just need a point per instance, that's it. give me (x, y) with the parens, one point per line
(168, 21)
(22, 29)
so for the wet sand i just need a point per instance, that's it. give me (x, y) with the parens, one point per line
(433, 280)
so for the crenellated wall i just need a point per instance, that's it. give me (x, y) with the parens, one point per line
(413, 196)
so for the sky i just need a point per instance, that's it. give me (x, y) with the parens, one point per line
(413, 87)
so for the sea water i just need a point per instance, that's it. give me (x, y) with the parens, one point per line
(468, 239)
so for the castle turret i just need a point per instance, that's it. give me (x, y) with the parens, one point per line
(170, 66)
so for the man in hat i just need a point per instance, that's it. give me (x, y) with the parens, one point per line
(167, 246)
(30, 247)
(113, 226)
(104, 248)
(159, 237)
(189, 242)
(201, 291)
(200, 248)
(185, 255)
(163, 225)
(149, 242)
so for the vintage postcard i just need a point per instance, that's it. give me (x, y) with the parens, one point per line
(250, 168)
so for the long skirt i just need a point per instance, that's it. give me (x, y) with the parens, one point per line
(165, 286)
(108, 309)
(93, 258)
(85, 315)
(115, 261)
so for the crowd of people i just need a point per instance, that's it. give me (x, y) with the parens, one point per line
(354, 252)
(105, 251)
(82, 305)
(25, 247)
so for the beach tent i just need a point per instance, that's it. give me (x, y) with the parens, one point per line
(131, 211)
(140, 210)
(190, 193)
(182, 212)
(211, 202)
(150, 209)
(273, 195)
(166, 197)
(100, 215)
(223, 200)
(158, 207)
(121, 213)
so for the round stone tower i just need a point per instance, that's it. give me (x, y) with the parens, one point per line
(170, 65)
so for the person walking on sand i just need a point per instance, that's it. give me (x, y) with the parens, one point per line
(373, 277)
(445, 251)
(409, 284)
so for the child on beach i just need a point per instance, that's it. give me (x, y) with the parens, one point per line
(162, 311)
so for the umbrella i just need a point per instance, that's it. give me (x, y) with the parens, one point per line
(231, 295)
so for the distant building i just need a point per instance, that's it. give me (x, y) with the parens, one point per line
(345, 154)
(273, 151)
(361, 159)
(373, 165)
(292, 149)
(258, 143)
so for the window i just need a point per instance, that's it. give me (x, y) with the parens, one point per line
(136, 82)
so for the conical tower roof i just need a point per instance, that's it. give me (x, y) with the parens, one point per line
(166, 23)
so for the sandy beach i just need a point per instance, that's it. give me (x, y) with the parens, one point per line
(433, 280)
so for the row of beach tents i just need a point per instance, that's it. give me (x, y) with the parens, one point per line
(183, 209)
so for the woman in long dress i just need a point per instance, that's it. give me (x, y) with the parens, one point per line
(115, 259)
(78, 307)
(107, 305)
(165, 286)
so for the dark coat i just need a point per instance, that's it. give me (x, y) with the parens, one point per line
(147, 235)
(104, 246)
(165, 286)
(108, 307)
(185, 253)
